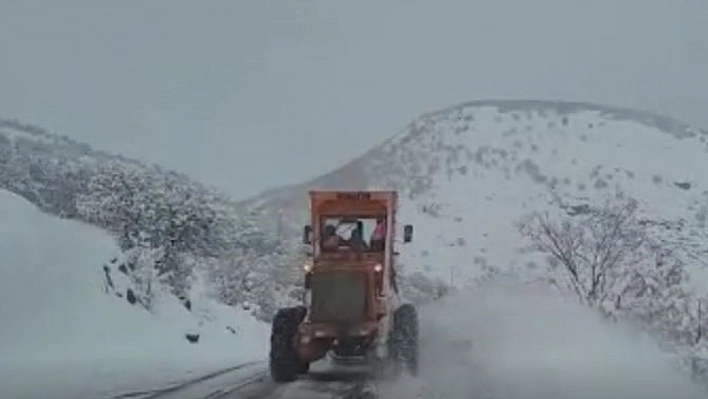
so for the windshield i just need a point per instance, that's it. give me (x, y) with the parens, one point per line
(338, 296)
(365, 234)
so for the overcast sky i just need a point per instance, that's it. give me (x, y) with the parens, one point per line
(251, 94)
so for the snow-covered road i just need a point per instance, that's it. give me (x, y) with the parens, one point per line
(203, 385)
(497, 343)
(251, 381)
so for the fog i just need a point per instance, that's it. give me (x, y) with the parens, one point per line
(528, 343)
(250, 95)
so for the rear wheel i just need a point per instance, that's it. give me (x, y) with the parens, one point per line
(404, 339)
(304, 368)
(283, 359)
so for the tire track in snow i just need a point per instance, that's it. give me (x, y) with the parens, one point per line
(252, 381)
(324, 381)
(159, 393)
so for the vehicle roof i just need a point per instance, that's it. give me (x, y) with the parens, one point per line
(352, 202)
(372, 195)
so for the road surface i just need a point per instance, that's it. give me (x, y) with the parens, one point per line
(252, 381)
(498, 343)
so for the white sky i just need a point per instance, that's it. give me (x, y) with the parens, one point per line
(252, 94)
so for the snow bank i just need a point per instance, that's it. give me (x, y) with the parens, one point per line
(62, 335)
(521, 342)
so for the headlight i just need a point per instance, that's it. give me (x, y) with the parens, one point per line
(378, 268)
(307, 266)
(358, 331)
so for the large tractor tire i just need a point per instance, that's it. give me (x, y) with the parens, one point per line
(304, 368)
(404, 339)
(284, 363)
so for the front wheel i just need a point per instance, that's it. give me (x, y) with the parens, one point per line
(304, 368)
(404, 348)
(283, 359)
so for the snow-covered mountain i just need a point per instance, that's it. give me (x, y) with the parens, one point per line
(468, 173)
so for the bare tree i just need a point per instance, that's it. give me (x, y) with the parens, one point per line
(627, 268)
(590, 248)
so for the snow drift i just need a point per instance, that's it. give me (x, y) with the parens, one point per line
(64, 335)
(523, 342)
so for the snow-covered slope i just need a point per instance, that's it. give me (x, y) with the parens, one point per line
(468, 173)
(66, 334)
(169, 221)
(476, 170)
(524, 342)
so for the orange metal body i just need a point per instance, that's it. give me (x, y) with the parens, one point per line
(316, 337)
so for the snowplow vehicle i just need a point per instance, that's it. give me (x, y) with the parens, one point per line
(352, 309)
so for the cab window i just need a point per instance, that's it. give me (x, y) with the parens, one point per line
(366, 234)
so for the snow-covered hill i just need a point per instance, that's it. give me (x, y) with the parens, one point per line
(167, 224)
(67, 330)
(472, 170)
